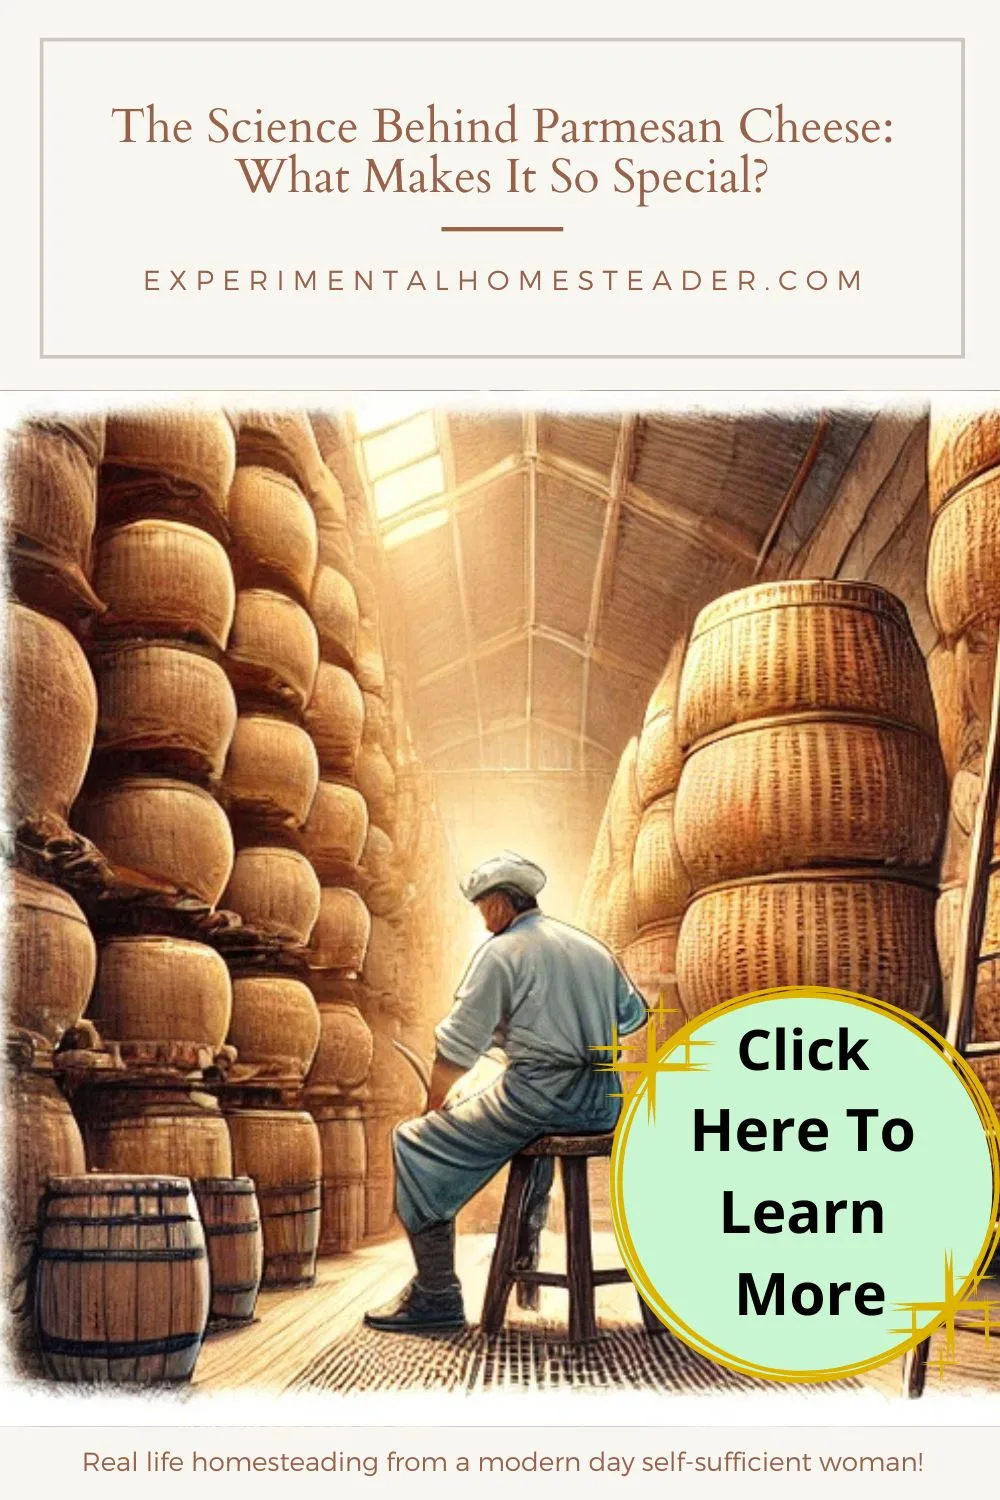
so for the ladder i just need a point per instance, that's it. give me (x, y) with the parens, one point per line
(969, 959)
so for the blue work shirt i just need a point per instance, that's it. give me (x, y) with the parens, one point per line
(549, 994)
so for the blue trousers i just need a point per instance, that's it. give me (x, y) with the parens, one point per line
(443, 1159)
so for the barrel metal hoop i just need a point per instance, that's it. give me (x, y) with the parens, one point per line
(175, 1343)
(114, 1220)
(183, 1252)
(285, 1188)
(294, 1213)
(235, 1288)
(216, 1231)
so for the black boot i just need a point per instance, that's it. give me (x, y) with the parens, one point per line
(432, 1303)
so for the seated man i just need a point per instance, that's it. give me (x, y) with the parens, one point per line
(551, 994)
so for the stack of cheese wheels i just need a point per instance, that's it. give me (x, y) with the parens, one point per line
(659, 880)
(963, 590)
(51, 484)
(52, 717)
(810, 807)
(340, 1068)
(272, 772)
(617, 922)
(167, 713)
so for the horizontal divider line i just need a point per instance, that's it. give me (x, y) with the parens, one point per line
(502, 228)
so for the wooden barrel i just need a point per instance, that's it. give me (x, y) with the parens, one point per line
(52, 494)
(851, 929)
(164, 578)
(377, 783)
(280, 1150)
(273, 532)
(52, 959)
(658, 754)
(168, 462)
(273, 647)
(275, 1026)
(961, 446)
(157, 989)
(51, 715)
(344, 1054)
(342, 1145)
(963, 560)
(123, 1289)
(169, 831)
(272, 771)
(280, 440)
(334, 719)
(343, 928)
(809, 791)
(164, 706)
(333, 836)
(659, 880)
(778, 649)
(43, 1141)
(275, 890)
(127, 1130)
(334, 608)
(230, 1217)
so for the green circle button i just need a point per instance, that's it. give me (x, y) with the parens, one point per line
(805, 1183)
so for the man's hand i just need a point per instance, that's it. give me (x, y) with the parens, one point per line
(444, 1075)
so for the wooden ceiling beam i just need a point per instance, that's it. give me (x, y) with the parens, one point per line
(712, 530)
(510, 725)
(599, 654)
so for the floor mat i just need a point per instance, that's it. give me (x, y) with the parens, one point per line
(525, 1358)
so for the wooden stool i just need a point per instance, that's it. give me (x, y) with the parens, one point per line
(580, 1278)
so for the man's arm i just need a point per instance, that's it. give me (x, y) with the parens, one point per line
(444, 1075)
(467, 1030)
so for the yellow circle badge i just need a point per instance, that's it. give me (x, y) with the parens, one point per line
(805, 1183)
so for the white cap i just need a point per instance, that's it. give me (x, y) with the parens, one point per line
(503, 869)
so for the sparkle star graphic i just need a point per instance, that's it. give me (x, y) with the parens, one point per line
(953, 1308)
(649, 1068)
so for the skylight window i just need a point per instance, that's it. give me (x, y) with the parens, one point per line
(395, 447)
(407, 530)
(399, 452)
(406, 487)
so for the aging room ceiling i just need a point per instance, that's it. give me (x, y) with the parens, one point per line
(544, 563)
